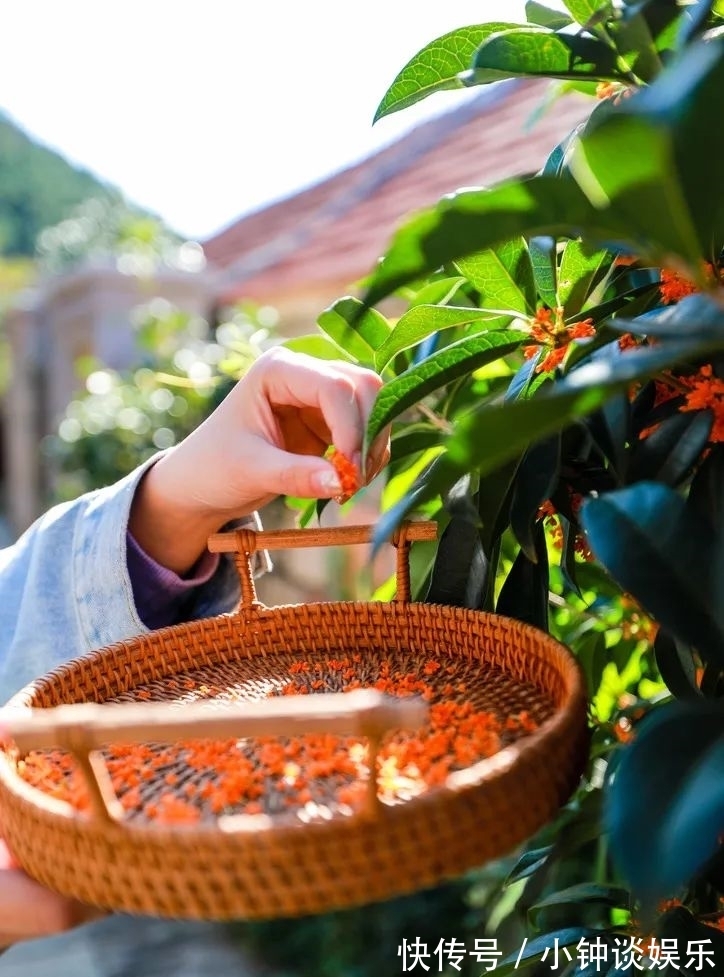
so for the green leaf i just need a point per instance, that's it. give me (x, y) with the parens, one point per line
(436, 67)
(672, 768)
(543, 258)
(592, 654)
(536, 478)
(492, 434)
(669, 453)
(581, 265)
(610, 429)
(460, 572)
(494, 491)
(440, 291)
(524, 595)
(538, 13)
(528, 863)
(628, 161)
(473, 220)
(319, 346)
(589, 12)
(676, 665)
(458, 359)
(537, 51)
(412, 440)
(635, 43)
(583, 893)
(657, 157)
(706, 495)
(504, 277)
(424, 320)
(662, 553)
(358, 330)
(694, 317)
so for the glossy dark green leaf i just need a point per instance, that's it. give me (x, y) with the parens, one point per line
(706, 495)
(669, 453)
(583, 893)
(538, 13)
(422, 321)
(662, 553)
(677, 666)
(610, 365)
(473, 220)
(673, 768)
(524, 594)
(503, 276)
(528, 863)
(436, 67)
(459, 574)
(357, 329)
(694, 316)
(538, 51)
(494, 493)
(458, 359)
(610, 429)
(536, 478)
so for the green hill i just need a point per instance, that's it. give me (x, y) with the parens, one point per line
(38, 187)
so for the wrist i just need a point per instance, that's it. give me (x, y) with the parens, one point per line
(170, 526)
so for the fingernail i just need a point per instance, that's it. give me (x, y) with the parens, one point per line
(326, 482)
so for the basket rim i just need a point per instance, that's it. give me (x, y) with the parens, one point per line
(487, 770)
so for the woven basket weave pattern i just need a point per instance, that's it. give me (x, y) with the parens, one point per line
(261, 867)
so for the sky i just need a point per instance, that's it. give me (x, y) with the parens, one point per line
(202, 112)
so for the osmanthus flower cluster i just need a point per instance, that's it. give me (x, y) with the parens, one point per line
(553, 335)
(699, 389)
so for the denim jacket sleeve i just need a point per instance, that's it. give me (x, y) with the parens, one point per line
(65, 588)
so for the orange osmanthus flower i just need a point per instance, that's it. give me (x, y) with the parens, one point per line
(706, 393)
(347, 473)
(674, 287)
(549, 329)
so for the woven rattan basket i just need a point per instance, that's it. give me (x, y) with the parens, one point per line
(264, 858)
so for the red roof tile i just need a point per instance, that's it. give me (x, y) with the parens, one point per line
(322, 239)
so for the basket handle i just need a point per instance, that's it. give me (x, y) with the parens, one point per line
(243, 543)
(85, 727)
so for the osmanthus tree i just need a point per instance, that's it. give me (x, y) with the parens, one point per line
(556, 390)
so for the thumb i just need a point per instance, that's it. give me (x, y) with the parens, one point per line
(305, 476)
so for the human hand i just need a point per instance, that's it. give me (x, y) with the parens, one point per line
(265, 439)
(27, 909)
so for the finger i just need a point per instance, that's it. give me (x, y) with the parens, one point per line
(378, 454)
(279, 472)
(302, 381)
(29, 910)
(367, 387)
